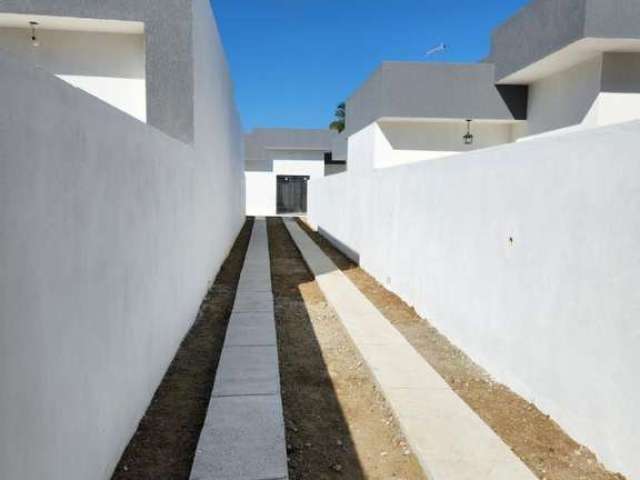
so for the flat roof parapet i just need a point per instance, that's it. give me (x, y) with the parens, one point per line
(547, 36)
(261, 139)
(410, 90)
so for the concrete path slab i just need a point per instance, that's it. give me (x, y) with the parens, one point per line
(449, 439)
(255, 284)
(247, 371)
(251, 329)
(243, 437)
(253, 301)
(245, 442)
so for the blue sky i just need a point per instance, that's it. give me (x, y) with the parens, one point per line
(293, 61)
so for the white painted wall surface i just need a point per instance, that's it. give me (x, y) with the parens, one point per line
(368, 149)
(602, 91)
(261, 194)
(614, 107)
(297, 162)
(110, 66)
(591, 94)
(110, 234)
(445, 135)
(404, 157)
(565, 99)
(554, 314)
(262, 185)
(390, 143)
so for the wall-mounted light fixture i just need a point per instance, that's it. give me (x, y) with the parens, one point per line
(468, 137)
(34, 34)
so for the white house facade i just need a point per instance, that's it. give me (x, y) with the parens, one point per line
(555, 67)
(418, 111)
(280, 162)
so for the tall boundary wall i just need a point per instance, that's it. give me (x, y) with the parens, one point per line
(110, 234)
(526, 255)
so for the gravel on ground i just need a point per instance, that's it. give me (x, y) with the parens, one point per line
(338, 425)
(538, 440)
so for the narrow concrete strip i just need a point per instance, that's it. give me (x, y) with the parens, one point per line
(447, 436)
(251, 370)
(243, 437)
(251, 329)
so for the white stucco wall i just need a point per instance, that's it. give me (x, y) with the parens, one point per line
(553, 314)
(604, 90)
(261, 194)
(110, 234)
(297, 162)
(399, 142)
(615, 107)
(364, 148)
(110, 66)
(261, 179)
(566, 98)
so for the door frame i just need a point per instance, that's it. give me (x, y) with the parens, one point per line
(303, 201)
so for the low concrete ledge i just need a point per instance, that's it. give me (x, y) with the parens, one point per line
(243, 437)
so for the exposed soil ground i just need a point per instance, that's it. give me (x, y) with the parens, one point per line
(546, 449)
(164, 445)
(338, 424)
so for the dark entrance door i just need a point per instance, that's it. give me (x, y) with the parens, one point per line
(292, 194)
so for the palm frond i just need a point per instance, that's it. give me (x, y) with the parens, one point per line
(337, 125)
(340, 118)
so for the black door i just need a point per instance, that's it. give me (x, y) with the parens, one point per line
(292, 194)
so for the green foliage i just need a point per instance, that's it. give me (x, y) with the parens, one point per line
(340, 118)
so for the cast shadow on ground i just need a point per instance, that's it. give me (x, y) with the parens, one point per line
(165, 442)
(344, 248)
(318, 436)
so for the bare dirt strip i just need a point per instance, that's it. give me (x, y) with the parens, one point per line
(539, 441)
(164, 445)
(338, 424)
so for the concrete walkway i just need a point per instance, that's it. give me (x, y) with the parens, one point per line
(243, 437)
(449, 439)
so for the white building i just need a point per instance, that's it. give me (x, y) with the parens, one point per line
(280, 162)
(554, 67)
(419, 111)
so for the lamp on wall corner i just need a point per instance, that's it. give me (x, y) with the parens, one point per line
(34, 34)
(468, 137)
